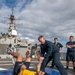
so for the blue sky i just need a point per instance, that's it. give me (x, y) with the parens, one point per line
(13, 3)
(10, 3)
(51, 18)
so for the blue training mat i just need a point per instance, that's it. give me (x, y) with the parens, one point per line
(9, 72)
(52, 72)
(6, 72)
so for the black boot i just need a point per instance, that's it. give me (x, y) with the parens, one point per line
(67, 67)
(74, 68)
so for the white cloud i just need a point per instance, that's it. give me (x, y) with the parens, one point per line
(52, 18)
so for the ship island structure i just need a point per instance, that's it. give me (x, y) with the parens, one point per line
(12, 38)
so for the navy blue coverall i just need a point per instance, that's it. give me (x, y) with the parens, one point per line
(50, 51)
(59, 45)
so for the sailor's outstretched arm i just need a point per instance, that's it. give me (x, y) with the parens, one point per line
(20, 73)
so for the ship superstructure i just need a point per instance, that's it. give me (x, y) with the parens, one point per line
(11, 37)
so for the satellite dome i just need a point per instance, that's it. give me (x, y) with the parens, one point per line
(14, 32)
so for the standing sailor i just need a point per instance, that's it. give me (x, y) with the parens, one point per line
(70, 56)
(60, 46)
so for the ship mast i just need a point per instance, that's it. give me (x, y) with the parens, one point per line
(12, 25)
(12, 18)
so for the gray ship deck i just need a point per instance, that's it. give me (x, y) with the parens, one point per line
(7, 64)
